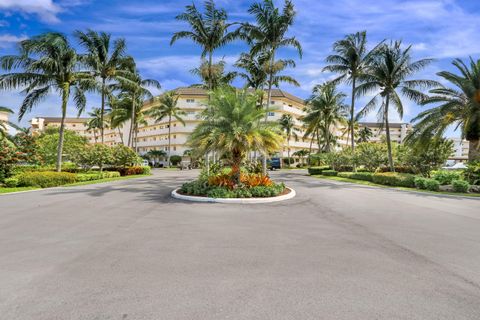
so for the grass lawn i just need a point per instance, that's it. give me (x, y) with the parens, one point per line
(83, 183)
(368, 183)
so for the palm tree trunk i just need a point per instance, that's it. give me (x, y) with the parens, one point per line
(132, 123)
(352, 111)
(95, 135)
(473, 150)
(387, 132)
(103, 109)
(65, 95)
(310, 150)
(169, 140)
(120, 134)
(288, 151)
(269, 101)
(318, 139)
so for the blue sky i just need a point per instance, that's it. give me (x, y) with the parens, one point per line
(440, 29)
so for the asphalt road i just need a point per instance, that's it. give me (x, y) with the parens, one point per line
(126, 250)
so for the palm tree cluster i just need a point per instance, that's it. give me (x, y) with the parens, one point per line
(49, 63)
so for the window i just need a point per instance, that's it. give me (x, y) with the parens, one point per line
(174, 148)
(190, 100)
(272, 102)
(174, 136)
(271, 114)
(74, 125)
(174, 124)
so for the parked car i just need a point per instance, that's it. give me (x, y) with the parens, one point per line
(274, 163)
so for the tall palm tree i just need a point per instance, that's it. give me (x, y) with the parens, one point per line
(364, 135)
(47, 62)
(325, 110)
(268, 35)
(235, 129)
(287, 124)
(96, 122)
(107, 60)
(167, 108)
(255, 74)
(350, 60)
(387, 77)
(458, 106)
(209, 30)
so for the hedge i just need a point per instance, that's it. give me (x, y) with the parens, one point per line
(11, 182)
(394, 179)
(460, 186)
(317, 170)
(366, 176)
(90, 176)
(45, 179)
(329, 173)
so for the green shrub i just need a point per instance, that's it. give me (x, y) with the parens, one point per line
(196, 188)
(472, 173)
(460, 186)
(329, 173)
(45, 179)
(446, 177)
(242, 193)
(317, 170)
(11, 182)
(88, 176)
(366, 176)
(220, 192)
(394, 179)
(174, 160)
(262, 192)
(432, 185)
(110, 174)
(134, 170)
(420, 183)
(286, 161)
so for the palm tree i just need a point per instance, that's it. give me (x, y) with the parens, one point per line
(268, 35)
(287, 124)
(156, 154)
(47, 62)
(325, 110)
(167, 108)
(107, 60)
(301, 154)
(235, 129)
(5, 124)
(208, 29)
(387, 74)
(213, 76)
(96, 122)
(351, 59)
(364, 135)
(459, 107)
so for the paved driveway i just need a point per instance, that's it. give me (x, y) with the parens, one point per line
(126, 250)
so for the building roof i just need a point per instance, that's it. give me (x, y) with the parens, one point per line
(59, 119)
(276, 93)
(379, 124)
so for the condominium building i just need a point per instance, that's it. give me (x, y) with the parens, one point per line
(460, 151)
(154, 135)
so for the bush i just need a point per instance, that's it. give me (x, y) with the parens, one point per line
(134, 170)
(242, 193)
(9, 156)
(371, 155)
(11, 182)
(220, 192)
(472, 173)
(420, 183)
(460, 186)
(432, 185)
(329, 173)
(90, 176)
(45, 179)
(317, 170)
(394, 179)
(175, 160)
(446, 177)
(288, 161)
(123, 156)
(196, 188)
(366, 176)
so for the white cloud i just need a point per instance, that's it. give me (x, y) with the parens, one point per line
(45, 9)
(6, 40)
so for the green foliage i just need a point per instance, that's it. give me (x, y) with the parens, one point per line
(288, 161)
(420, 182)
(425, 157)
(317, 170)
(329, 173)
(47, 144)
(446, 177)
(26, 144)
(366, 176)
(201, 188)
(394, 179)
(9, 156)
(341, 160)
(175, 159)
(472, 173)
(460, 186)
(432, 185)
(90, 176)
(123, 156)
(371, 155)
(242, 193)
(11, 182)
(317, 159)
(45, 179)
(220, 192)
(95, 155)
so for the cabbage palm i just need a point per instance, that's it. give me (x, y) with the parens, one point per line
(387, 77)
(364, 134)
(459, 107)
(208, 29)
(107, 60)
(234, 128)
(350, 60)
(96, 122)
(47, 63)
(268, 35)
(287, 125)
(325, 110)
(167, 108)
(213, 76)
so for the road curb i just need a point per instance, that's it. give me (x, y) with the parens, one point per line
(284, 197)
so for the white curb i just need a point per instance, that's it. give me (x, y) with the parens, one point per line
(287, 196)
